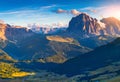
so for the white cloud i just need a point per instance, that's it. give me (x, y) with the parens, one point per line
(48, 7)
(60, 11)
(17, 12)
(92, 9)
(23, 17)
(75, 12)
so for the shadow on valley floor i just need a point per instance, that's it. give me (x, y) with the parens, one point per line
(36, 66)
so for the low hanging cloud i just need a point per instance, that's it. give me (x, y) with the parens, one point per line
(102, 24)
(73, 11)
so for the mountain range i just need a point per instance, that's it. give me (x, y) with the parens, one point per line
(83, 34)
(86, 25)
(23, 44)
(46, 30)
(85, 47)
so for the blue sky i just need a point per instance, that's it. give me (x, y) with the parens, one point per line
(50, 12)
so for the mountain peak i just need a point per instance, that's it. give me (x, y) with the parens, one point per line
(84, 24)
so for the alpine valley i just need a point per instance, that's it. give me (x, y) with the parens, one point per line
(88, 50)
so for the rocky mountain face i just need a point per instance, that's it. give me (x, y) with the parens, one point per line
(17, 34)
(2, 31)
(13, 33)
(83, 24)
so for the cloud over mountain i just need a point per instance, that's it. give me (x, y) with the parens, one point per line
(75, 12)
(72, 11)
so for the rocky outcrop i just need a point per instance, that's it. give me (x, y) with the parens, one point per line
(84, 24)
(17, 34)
(2, 31)
(13, 33)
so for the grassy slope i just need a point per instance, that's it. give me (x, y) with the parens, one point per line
(100, 57)
(7, 70)
(5, 57)
(38, 47)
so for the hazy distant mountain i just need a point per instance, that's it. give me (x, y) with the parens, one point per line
(46, 30)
